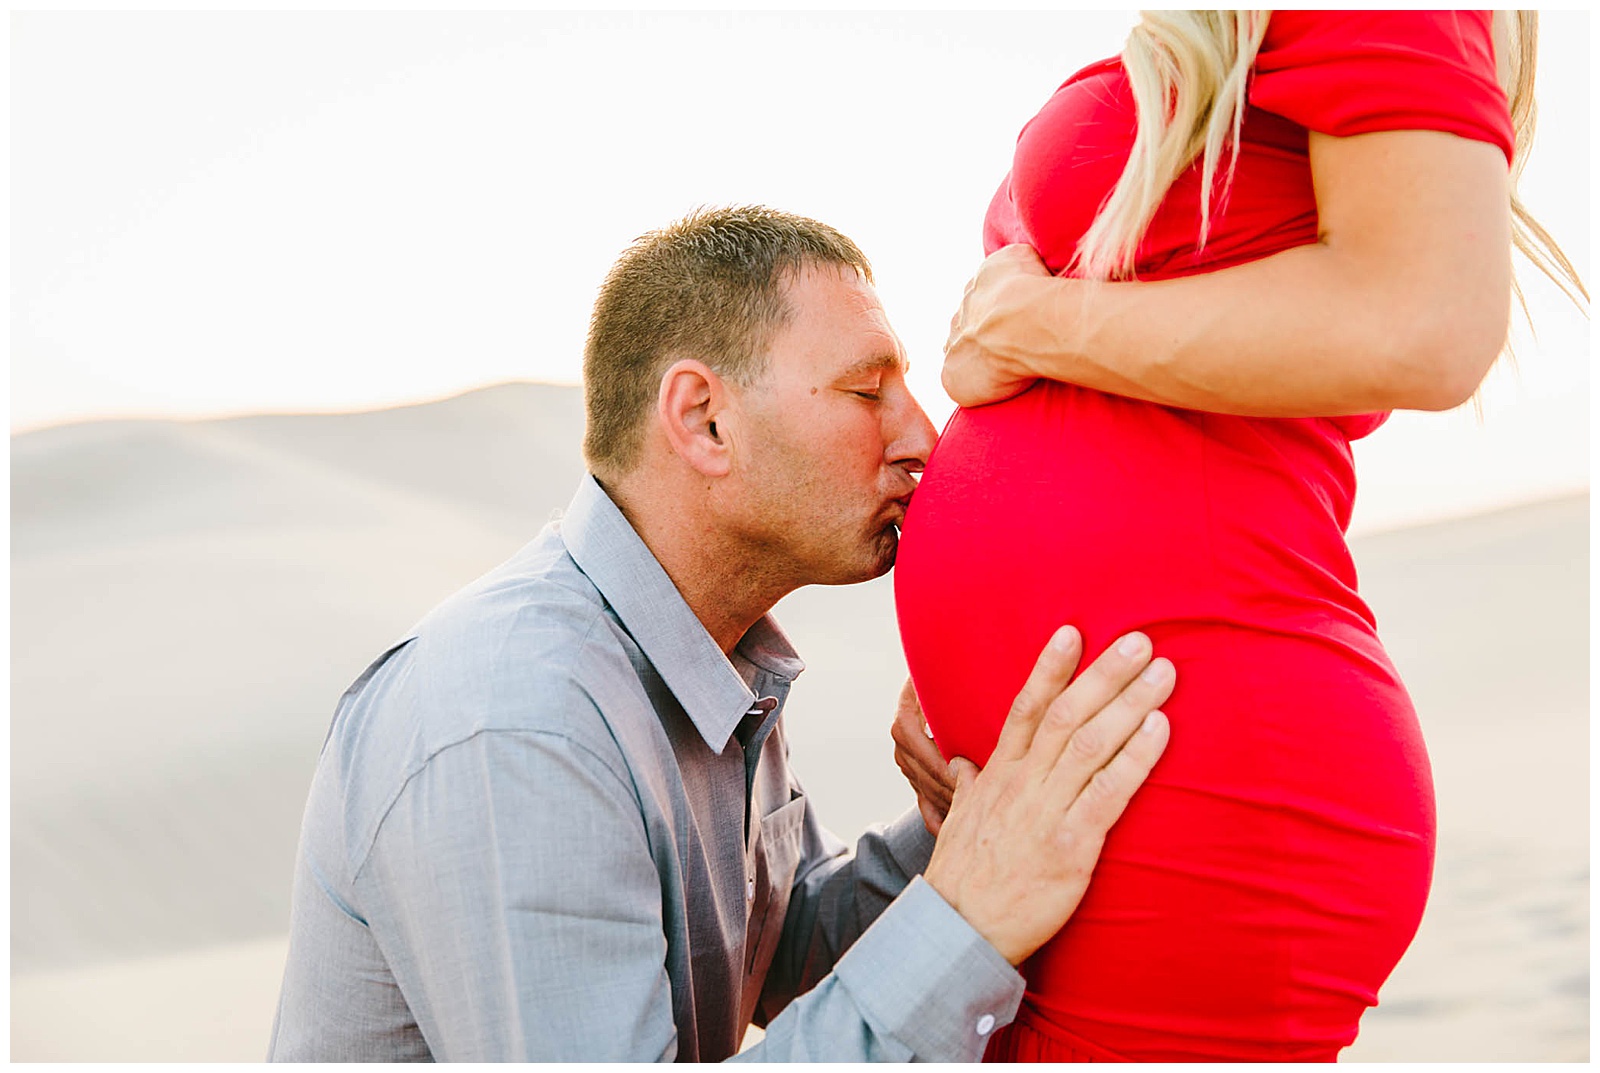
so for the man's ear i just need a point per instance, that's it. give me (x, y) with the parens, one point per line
(690, 401)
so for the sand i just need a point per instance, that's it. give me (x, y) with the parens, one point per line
(190, 598)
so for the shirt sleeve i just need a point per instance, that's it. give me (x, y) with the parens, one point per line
(909, 978)
(1354, 72)
(836, 896)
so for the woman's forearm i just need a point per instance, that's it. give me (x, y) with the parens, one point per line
(1402, 303)
(1306, 332)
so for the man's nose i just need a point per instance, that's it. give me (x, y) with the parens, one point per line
(913, 438)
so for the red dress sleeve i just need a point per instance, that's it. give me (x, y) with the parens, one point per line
(1353, 72)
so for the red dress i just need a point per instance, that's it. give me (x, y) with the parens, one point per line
(1264, 883)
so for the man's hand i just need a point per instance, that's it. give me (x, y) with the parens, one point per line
(920, 760)
(1022, 836)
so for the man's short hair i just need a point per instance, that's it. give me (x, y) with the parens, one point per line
(709, 287)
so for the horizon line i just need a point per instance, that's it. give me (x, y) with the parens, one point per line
(230, 414)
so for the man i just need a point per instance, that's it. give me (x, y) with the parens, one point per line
(557, 821)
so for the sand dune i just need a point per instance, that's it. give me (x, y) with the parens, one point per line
(190, 598)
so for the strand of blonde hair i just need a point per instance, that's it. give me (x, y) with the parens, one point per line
(1189, 71)
(1516, 40)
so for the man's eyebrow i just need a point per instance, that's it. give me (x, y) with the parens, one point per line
(886, 361)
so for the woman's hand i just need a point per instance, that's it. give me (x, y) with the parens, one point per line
(979, 365)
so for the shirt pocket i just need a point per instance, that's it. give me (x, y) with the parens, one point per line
(777, 859)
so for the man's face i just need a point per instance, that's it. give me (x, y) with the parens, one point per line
(831, 437)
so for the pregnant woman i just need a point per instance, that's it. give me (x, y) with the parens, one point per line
(1256, 234)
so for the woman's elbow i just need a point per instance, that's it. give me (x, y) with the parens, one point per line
(1450, 354)
(1449, 381)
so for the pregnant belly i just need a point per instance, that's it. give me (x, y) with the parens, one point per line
(1267, 878)
(1058, 506)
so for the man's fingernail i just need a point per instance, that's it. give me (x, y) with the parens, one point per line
(1157, 672)
(1132, 645)
(1065, 639)
(1150, 723)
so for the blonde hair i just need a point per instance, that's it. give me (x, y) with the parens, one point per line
(1190, 71)
(1516, 53)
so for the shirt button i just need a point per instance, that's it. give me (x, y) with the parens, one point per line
(986, 1024)
(750, 896)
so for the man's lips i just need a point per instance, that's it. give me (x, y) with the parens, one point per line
(898, 506)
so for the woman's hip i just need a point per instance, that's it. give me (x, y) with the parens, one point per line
(1250, 903)
(1265, 881)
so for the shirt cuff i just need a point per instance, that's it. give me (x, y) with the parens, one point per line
(921, 975)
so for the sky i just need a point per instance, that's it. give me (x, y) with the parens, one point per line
(231, 212)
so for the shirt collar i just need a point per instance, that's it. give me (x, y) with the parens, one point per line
(609, 551)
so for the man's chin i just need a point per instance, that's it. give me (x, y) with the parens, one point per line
(888, 543)
(886, 560)
(877, 560)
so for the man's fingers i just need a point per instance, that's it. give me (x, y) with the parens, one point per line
(1092, 746)
(931, 781)
(1114, 670)
(908, 722)
(964, 771)
(1096, 741)
(1050, 675)
(919, 759)
(916, 753)
(1103, 798)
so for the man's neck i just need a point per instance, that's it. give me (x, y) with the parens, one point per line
(723, 589)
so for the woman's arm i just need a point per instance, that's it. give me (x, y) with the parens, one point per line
(1402, 303)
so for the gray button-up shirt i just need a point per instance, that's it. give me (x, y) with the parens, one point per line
(556, 822)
